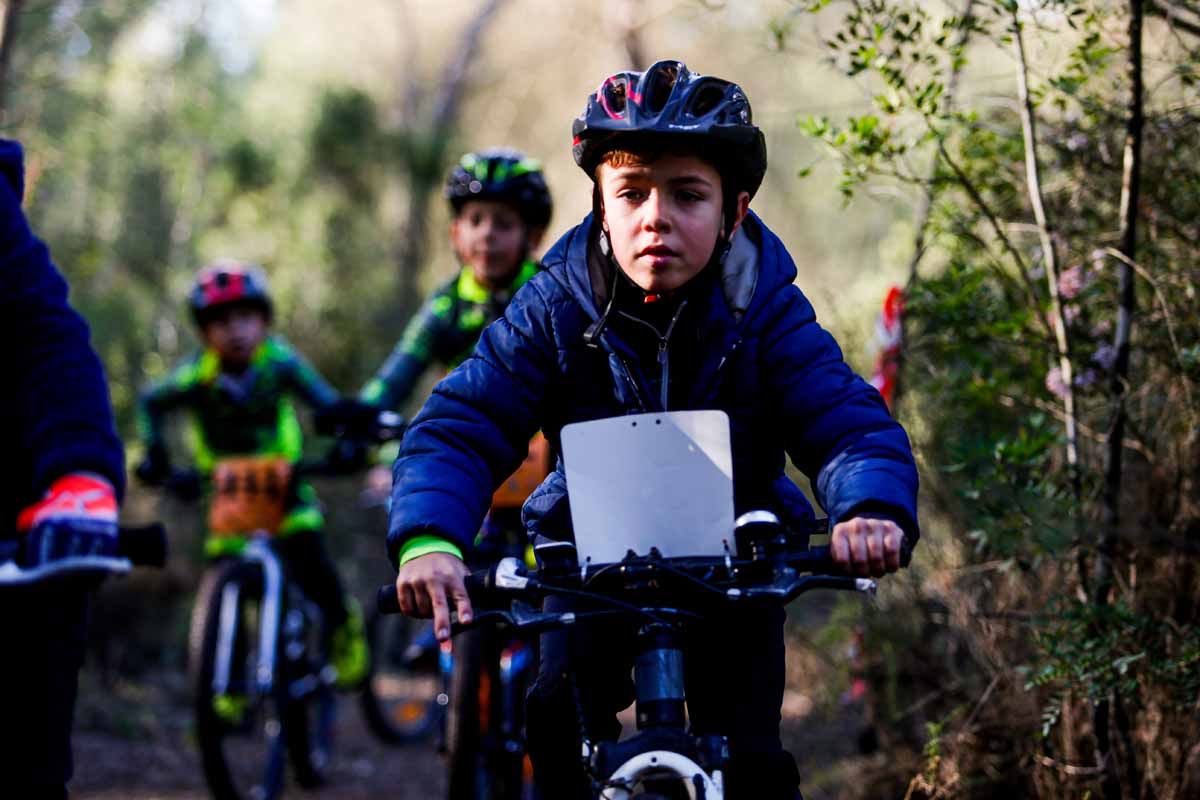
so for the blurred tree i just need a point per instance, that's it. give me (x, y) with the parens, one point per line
(421, 144)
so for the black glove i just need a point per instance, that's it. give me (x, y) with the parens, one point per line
(155, 468)
(348, 418)
(347, 455)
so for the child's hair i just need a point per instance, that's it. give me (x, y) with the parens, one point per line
(638, 151)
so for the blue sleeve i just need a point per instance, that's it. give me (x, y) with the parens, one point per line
(475, 428)
(837, 429)
(62, 414)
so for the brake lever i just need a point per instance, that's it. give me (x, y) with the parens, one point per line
(789, 587)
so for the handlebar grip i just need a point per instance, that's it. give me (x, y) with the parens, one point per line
(144, 545)
(387, 601)
(478, 582)
(813, 559)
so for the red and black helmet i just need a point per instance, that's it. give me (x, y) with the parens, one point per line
(668, 100)
(225, 283)
(501, 174)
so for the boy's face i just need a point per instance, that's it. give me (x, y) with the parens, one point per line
(235, 332)
(663, 218)
(491, 238)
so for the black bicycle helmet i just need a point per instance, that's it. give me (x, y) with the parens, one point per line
(224, 283)
(505, 175)
(667, 99)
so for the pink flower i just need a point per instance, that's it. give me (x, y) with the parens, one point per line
(1055, 384)
(1072, 281)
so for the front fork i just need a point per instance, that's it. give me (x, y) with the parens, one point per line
(662, 743)
(271, 617)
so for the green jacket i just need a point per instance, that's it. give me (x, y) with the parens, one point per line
(251, 414)
(445, 330)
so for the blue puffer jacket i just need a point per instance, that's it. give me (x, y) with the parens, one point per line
(764, 360)
(55, 416)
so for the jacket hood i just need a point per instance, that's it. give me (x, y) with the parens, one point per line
(756, 267)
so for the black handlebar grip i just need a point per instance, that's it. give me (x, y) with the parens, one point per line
(477, 582)
(145, 545)
(387, 601)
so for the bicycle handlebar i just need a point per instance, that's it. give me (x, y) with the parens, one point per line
(508, 580)
(142, 545)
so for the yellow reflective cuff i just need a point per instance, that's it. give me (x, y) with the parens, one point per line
(218, 546)
(373, 391)
(424, 545)
(302, 518)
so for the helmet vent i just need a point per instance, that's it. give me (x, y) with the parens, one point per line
(614, 96)
(707, 97)
(659, 84)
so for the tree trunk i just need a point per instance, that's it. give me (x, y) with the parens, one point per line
(1118, 377)
(429, 149)
(1049, 258)
(12, 12)
(925, 205)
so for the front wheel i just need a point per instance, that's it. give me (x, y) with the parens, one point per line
(238, 728)
(663, 775)
(485, 720)
(309, 705)
(402, 698)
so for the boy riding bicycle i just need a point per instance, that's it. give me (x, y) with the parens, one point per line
(669, 296)
(239, 392)
(500, 208)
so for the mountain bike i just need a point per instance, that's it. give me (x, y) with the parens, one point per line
(664, 596)
(261, 678)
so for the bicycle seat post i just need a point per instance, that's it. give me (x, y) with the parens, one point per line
(658, 677)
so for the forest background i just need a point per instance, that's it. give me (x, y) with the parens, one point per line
(1027, 170)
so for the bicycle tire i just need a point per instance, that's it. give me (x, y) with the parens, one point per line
(308, 723)
(463, 734)
(255, 767)
(479, 764)
(401, 705)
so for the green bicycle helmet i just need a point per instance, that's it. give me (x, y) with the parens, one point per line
(501, 174)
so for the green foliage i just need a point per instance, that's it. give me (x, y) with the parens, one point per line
(982, 369)
(251, 167)
(346, 142)
(1097, 651)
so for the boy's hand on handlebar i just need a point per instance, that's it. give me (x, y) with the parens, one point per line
(866, 546)
(428, 584)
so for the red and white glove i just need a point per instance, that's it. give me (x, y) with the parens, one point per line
(73, 527)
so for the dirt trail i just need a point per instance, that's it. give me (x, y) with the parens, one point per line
(131, 743)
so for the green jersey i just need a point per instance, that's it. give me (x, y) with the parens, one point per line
(247, 414)
(445, 331)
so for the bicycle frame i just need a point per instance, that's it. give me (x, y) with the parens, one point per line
(259, 551)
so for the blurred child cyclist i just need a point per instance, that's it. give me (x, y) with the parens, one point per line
(501, 207)
(238, 391)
